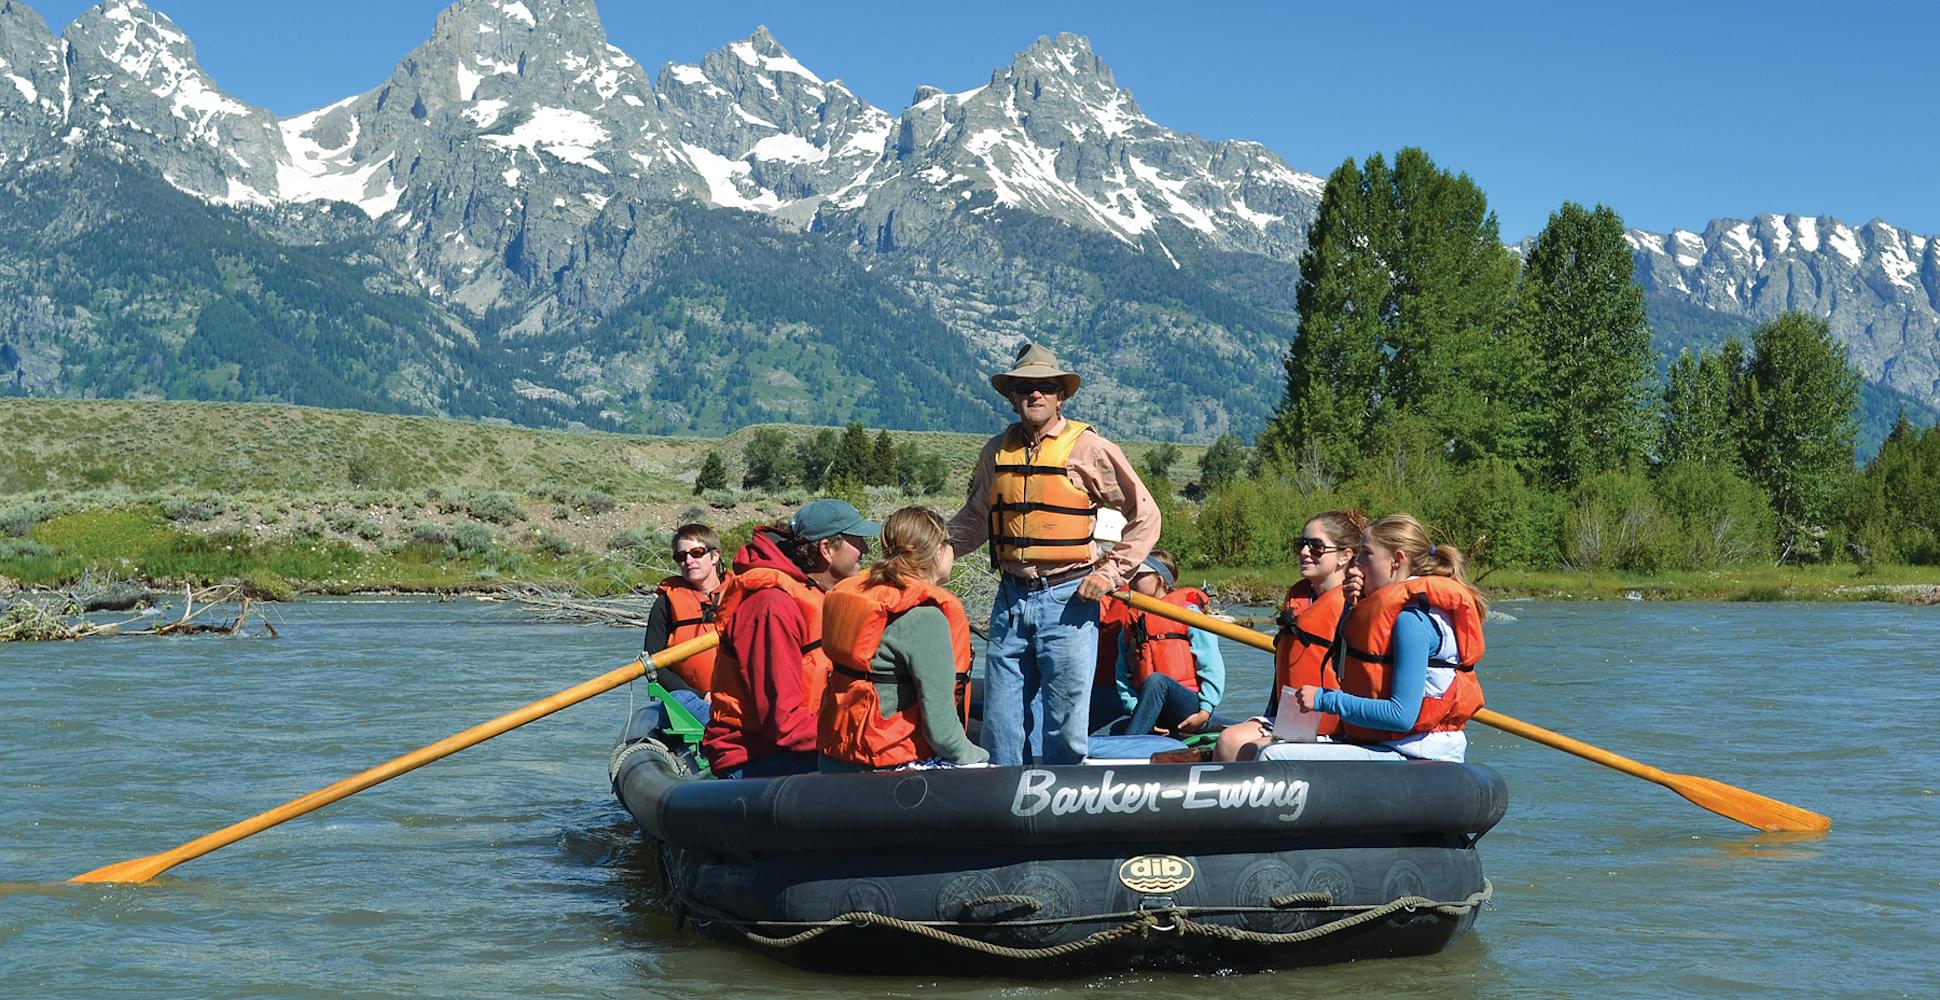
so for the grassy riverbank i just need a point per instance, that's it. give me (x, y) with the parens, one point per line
(298, 500)
(293, 500)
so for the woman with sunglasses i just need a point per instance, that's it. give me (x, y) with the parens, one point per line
(900, 692)
(687, 607)
(770, 670)
(1309, 619)
(1407, 681)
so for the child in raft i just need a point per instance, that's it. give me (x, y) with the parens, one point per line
(1407, 680)
(900, 645)
(1170, 677)
(1310, 619)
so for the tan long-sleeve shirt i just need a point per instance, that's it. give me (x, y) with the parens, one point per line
(1097, 467)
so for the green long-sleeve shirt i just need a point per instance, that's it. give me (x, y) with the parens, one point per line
(917, 647)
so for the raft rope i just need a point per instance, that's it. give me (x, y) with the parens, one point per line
(1141, 923)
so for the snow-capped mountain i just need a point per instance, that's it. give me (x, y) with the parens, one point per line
(134, 82)
(1054, 134)
(768, 135)
(1879, 286)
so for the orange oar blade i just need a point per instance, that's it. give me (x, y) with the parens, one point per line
(1749, 808)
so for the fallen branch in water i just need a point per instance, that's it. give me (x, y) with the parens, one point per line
(31, 620)
(559, 604)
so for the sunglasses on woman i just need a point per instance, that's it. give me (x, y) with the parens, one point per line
(1319, 546)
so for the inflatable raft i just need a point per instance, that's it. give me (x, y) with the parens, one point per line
(1068, 871)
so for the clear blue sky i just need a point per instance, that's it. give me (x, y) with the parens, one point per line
(1672, 113)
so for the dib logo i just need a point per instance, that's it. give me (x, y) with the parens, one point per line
(1156, 874)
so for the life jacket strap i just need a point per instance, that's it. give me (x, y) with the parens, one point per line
(1028, 506)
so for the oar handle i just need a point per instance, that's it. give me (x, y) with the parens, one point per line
(145, 868)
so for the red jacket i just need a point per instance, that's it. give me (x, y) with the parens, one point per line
(764, 636)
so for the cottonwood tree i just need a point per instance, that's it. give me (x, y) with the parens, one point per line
(1794, 406)
(1403, 295)
(1696, 415)
(1583, 315)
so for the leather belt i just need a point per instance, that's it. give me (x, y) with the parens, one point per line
(1045, 581)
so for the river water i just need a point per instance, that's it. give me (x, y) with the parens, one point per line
(510, 870)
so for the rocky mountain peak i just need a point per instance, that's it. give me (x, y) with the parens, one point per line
(1054, 134)
(766, 133)
(136, 85)
(1878, 285)
(33, 81)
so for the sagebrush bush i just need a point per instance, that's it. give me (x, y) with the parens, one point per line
(498, 508)
(472, 540)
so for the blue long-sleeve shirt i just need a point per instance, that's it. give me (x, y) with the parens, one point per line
(1415, 638)
(1209, 664)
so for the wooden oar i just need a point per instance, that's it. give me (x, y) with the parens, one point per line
(145, 868)
(1735, 803)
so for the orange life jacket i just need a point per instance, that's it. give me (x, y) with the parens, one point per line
(1308, 625)
(853, 619)
(1159, 645)
(1368, 671)
(1037, 515)
(1113, 616)
(728, 704)
(694, 614)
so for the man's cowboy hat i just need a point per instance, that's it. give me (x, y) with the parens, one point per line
(1035, 362)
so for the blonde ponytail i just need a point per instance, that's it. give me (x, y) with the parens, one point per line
(1426, 557)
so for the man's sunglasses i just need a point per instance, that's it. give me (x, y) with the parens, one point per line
(1024, 387)
(685, 554)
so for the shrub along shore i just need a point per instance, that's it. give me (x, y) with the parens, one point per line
(293, 501)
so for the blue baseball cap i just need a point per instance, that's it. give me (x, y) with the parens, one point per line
(827, 518)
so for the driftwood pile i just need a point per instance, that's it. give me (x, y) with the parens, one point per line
(61, 616)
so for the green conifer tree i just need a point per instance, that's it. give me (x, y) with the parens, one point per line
(713, 474)
(765, 460)
(1222, 463)
(882, 461)
(816, 458)
(853, 455)
(1583, 315)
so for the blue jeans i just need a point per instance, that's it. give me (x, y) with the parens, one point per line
(1161, 700)
(1037, 674)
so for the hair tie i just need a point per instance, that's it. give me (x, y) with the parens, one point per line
(1431, 548)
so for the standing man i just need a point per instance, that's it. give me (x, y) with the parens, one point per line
(1035, 498)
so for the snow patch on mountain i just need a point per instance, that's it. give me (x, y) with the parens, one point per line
(573, 136)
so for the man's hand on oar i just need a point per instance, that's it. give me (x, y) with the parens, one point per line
(1749, 808)
(145, 868)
